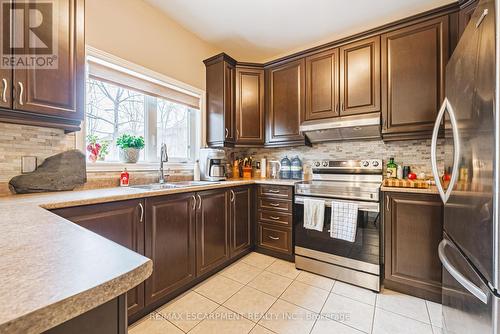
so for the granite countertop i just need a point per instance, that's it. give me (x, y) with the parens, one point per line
(53, 270)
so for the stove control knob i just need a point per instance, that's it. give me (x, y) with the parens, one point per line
(375, 163)
(317, 164)
(325, 163)
(365, 163)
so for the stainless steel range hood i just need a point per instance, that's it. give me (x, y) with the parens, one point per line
(343, 128)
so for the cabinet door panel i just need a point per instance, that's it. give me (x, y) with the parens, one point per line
(119, 222)
(286, 103)
(413, 225)
(241, 220)
(322, 84)
(212, 229)
(170, 237)
(229, 78)
(360, 77)
(60, 91)
(413, 65)
(249, 106)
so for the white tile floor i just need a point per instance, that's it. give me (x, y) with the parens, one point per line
(260, 294)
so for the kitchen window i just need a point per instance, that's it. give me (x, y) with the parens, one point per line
(120, 101)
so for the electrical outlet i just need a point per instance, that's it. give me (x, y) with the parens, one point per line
(28, 164)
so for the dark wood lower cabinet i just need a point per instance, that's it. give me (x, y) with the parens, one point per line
(413, 229)
(188, 237)
(170, 243)
(212, 230)
(121, 222)
(108, 318)
(241, 228)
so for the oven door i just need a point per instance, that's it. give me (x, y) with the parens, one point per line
(365, 248)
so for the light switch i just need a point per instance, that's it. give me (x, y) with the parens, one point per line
(28, 164)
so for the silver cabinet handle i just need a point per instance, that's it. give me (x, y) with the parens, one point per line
(274, 191)
(481, 18)
(387, 206)
(199, 202)
(274, 238)
(274, 218)
(21, 92)
(226, 131)
(445, 195)
(274, 204)
(232, 195)
(237, 133)
(194, 202)
(4, 93)
(141, 219)
(471, 287)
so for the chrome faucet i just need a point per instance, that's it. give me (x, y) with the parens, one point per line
(163, 158)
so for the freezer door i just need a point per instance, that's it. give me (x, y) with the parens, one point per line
(468, 304)
(470, 148)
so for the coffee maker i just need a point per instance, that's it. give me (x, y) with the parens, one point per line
(213, 165)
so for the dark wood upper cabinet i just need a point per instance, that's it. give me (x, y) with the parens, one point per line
(220, 75)
(117, 221)
(413, 78)
(413, 225)
(170, 243)
(249, 106)
(241, 228)
(465, 15)
(212, 230)
(322, 85)
(360, 77)
(285, 103)
(52, 97)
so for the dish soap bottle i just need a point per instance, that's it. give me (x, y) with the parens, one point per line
(286, 168)
(296, 168)
(392, 169)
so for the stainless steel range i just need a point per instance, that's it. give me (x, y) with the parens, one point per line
(355, 262)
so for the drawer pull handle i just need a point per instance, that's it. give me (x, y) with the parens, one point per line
(274, 204)
(274, 218)
(273, 238)
(274, 191)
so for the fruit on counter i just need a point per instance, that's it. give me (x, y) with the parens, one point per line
(412, 176)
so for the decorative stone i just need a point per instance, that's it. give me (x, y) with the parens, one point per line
(60, 172)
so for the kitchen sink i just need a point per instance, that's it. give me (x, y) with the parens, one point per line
(173, 185)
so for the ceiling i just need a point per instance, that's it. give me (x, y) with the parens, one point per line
(260, 30)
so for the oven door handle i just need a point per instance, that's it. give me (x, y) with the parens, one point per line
(362, 206)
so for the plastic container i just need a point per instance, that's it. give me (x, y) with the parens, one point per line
(296, 168)
(286, 168)
(196, 171)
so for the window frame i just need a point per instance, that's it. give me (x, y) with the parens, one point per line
(196, 121)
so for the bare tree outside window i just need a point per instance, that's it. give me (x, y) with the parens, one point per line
(113, 110)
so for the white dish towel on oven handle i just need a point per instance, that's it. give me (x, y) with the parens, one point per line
(314, 214)
(344, 221)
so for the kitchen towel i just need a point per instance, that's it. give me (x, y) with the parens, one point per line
(344, 221)
(314, 214)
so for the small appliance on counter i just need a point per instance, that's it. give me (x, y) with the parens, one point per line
(213, 165)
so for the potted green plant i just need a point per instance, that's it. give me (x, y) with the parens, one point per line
(130, 147)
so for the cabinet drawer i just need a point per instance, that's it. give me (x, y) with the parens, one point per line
(275, 204)
(274, 217)
(275, 238)
(283, 192)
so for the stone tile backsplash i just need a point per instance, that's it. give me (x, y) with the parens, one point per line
(414, 153)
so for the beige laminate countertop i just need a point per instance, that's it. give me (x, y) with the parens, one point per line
(52, 270)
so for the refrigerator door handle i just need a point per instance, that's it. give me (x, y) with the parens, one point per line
(471, 287)
(445, 107)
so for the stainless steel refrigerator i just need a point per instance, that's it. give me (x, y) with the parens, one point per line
(469, 251)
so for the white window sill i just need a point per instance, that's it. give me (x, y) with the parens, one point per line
(102, 166)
